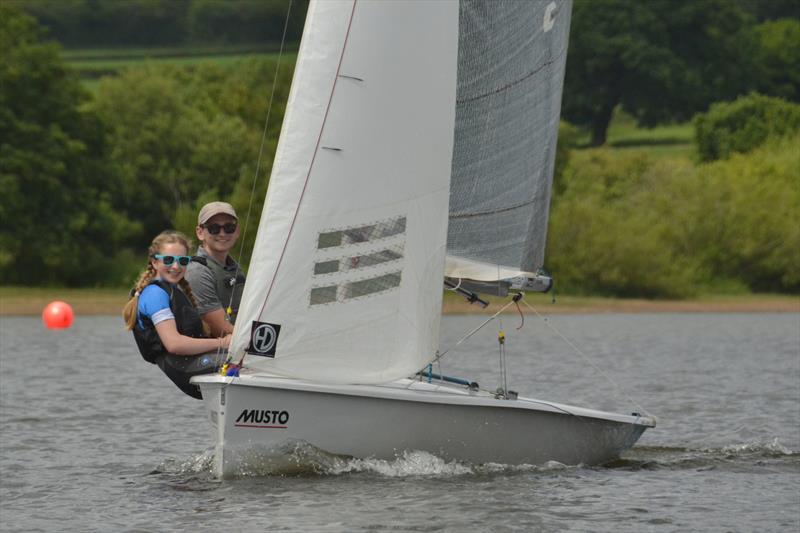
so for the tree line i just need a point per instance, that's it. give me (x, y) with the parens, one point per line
(87, 180)
(665, 60)
(634, 225)
(159, 23)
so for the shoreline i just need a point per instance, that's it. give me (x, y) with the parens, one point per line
(595, 305)
(18, 301)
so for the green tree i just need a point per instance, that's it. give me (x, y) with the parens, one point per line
(567, 138)
(609, 229)
(169, 144)
(245, 92)
(772, 9)
(631, 225)
(59, 227)
(742, 217)
(743, 125)
(98, 23)
(660, 60)
(88, 23)
(779, 58)
(245, 21)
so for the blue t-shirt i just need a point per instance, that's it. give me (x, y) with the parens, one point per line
(154, 304)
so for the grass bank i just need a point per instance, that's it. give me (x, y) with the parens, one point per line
(31, 301)
(625, 136)
(543, 303)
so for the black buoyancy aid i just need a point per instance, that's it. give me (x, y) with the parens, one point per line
(229, 285)
(187, 321)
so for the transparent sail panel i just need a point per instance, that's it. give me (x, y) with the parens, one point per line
(507, 112)
(361, 234)
(357, 262)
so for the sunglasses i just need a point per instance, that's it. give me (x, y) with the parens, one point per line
(214, 229)
(183, 260)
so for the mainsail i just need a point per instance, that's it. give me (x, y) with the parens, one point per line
(355, 221)
(511, 61)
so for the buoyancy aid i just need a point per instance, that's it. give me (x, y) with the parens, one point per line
(229, 285)
(178, 368)
(187, 321)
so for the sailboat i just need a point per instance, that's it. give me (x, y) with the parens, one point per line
(417, 147)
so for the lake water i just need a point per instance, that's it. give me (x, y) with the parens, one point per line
(92, 438)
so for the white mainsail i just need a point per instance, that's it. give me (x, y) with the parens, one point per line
(355, 221)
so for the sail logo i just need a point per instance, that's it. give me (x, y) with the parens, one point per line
(263, 339)
(262, 418)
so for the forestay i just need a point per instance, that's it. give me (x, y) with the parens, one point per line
(510, 75)
(345, 280)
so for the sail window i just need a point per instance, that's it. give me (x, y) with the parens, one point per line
(393, 227)
(355, 289)
(361, 234)
(359, 261)
(326, 267)
(329, 239)
(365, 287)
(383, 256)
(357, 235)
(390, 254)
(323, 295)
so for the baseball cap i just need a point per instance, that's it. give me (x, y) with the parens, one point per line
(215, 208)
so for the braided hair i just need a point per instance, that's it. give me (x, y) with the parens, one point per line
(131, 308)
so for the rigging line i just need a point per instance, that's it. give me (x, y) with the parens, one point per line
(261, 148)
(470, 334)
(457, 286)
(313, 159)
(521, 315)
(585, 357)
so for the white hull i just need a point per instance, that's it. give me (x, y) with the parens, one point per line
(259, 416)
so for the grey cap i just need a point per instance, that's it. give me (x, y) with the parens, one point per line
(215, 208)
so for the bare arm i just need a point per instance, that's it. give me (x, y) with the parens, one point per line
(179, 344)
(217, 323)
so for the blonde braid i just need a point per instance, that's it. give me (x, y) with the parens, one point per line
(187, 290)
(131, 308)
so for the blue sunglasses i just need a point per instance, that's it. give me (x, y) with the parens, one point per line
(183, 260)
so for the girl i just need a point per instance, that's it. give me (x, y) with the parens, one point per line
(163, 318)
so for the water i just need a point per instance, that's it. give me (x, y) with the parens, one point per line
(95, 439)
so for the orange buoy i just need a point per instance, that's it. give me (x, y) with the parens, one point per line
(57, 315)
